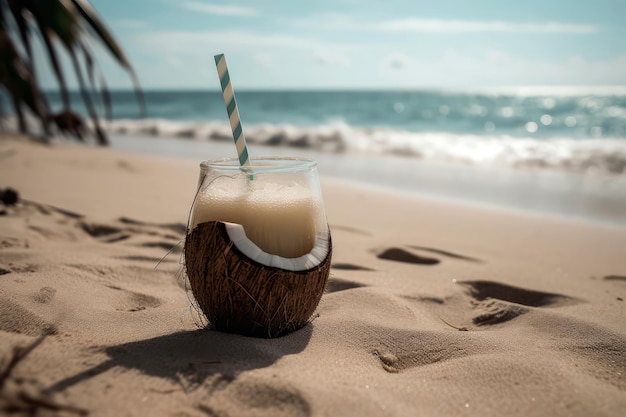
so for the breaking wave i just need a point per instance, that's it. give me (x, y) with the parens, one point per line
(598, 155)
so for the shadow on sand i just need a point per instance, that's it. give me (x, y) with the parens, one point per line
(190, 357)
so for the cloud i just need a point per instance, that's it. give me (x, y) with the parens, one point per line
(218, 9)
(459, 68)
(194, 42)
(465, 26)
(397, 61)
(575, 70)
(330, 58)
(324, 60)
(264, 60)
(337, 21)
(287, 60)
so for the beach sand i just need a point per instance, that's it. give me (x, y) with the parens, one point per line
(432, 308)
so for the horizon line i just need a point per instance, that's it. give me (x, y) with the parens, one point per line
(518, 89)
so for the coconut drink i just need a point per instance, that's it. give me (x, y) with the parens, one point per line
(258, 247)
(258, 250)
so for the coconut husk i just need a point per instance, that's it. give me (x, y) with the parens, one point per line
(239, 295)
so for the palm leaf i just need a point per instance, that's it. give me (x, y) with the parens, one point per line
(20, 84)
(56, 67)
(64, 22)
(53, 18)
(100, 136)
(99, 30)
(106, 98)
(22, 24)
(91, 69)
(17, 78)
(58, 18)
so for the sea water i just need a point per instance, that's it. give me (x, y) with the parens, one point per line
(574, 129)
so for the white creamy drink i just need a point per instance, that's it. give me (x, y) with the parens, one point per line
(281, 219)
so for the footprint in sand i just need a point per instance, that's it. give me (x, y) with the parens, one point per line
(167, 251)
(351, 267)
(401, 350)
(17, 319)
(497, 303)
(134, 301)
(11, 242)
(338, 284)
(169, 246)
(178, 228)
(481, 290)
(44, 295)
(491, 312)
(152, 259)
(401, 255)
(111, 233)
(125, 165)
(50, 210)
(446, 253)
(24, 268)
(272, 399)
(615, 278)
(104, 232)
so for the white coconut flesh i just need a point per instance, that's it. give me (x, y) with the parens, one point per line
(315, 257)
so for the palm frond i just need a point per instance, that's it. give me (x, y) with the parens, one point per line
(64, 23)
(91, 68)
(100, 136)
(99, 30)
(22, 24)
(17, 78)
(97, 27)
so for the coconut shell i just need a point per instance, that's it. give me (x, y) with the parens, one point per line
(239, 295)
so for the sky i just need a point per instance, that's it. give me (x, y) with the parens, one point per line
(368, 44)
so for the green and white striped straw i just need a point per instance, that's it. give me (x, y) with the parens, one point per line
(231, 109)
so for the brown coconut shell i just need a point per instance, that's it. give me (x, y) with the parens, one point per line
(239, 295)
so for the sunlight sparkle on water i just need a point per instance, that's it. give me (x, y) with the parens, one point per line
(546, 120)
(596, 131)
(548, 103)
(615, 111)
(531, 127)
(506, 111)
(570, 121)
(478, 110)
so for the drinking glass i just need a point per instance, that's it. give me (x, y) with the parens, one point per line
(260, 244)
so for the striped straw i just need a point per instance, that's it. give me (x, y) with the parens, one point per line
(231, 108)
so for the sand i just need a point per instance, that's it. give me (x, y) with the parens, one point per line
(432, 308)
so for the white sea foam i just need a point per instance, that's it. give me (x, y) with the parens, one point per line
(604, 155)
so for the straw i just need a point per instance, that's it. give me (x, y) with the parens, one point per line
(231, 109)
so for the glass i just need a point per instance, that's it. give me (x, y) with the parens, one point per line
(272, 212)
(278, 201)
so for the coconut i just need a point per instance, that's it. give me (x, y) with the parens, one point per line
(242, 289)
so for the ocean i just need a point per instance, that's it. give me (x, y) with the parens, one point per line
(556, 150)
(569, 129)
